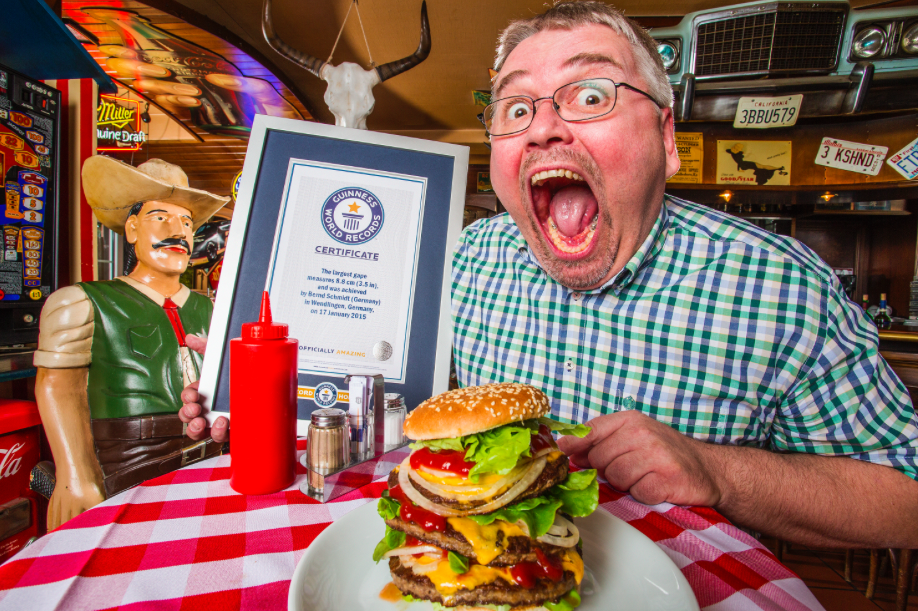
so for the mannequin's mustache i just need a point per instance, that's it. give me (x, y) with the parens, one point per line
(173, 242)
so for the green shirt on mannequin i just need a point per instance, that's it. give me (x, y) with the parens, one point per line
(136, 359)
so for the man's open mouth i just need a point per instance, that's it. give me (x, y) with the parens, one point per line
(566, 209)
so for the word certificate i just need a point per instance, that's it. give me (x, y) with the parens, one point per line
(343, 265)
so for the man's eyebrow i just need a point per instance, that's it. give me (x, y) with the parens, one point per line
(507, 80)
(582, 59)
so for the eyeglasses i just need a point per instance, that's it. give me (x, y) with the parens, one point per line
(580, 101)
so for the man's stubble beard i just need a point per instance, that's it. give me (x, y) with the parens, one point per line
(582, 274)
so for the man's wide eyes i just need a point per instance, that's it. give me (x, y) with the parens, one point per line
(518, 110)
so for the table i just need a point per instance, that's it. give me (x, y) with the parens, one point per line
(186, 540)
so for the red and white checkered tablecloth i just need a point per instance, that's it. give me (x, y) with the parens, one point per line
(186, 540)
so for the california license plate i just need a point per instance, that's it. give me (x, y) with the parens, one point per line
(764, 113)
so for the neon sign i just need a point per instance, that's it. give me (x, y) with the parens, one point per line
(118, 124)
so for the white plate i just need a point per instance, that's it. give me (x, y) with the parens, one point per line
(624, 569)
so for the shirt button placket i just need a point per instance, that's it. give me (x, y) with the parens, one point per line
(572, 369)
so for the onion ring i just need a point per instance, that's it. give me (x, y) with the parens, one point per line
(535, 470)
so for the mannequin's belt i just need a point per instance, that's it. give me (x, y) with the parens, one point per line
(135, 449)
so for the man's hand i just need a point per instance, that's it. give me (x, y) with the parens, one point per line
(191, 410)
(648, 459)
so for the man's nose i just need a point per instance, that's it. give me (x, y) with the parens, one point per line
(176, 227)
(547, 126)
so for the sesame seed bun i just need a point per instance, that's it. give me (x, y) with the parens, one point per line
(465, 411)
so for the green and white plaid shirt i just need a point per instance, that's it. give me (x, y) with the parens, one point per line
(726, 332)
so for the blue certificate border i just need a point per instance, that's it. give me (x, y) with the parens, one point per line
(350, 170)
(272, 146)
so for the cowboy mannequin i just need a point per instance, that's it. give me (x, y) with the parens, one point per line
(112, 357)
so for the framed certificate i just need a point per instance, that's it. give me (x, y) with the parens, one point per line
(351, 233)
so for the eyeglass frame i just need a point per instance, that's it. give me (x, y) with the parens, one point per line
(556, 106)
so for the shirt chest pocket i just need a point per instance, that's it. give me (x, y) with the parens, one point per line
(145, 340)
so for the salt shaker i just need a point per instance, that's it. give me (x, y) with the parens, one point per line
(395, 413)
(327, 443)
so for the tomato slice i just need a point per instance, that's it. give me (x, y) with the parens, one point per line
(542, 439)
(410, 512)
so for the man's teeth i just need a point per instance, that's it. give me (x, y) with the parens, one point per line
(539, 178)
(561, 242)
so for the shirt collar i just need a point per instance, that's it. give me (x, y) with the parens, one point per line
(644, 255)
(179, 298)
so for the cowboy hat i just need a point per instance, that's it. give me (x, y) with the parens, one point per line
(113, 187)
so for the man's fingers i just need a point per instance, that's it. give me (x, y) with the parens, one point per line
(220, 430)
(198, 344)
(197, 428)
(626, 470)
(600, 427)
(190, 394)
(189, 412)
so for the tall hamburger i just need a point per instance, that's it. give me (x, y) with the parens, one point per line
(480, 514)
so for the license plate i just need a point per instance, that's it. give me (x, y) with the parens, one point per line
(763, 113)
(906, 161)
(851, 156)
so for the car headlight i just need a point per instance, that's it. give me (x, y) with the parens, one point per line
(668, 53)
(910, 39)
(868, 42)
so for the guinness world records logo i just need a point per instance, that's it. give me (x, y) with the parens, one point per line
(326, 394)
(352, 216)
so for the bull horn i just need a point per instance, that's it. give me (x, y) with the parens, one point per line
(387, 71)
(313, 64)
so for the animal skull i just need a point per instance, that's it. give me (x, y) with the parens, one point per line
(350, 88)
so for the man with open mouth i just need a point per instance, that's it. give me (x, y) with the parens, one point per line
(112, 356)
(717, 364)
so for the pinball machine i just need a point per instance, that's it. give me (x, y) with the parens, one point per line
(29, 168)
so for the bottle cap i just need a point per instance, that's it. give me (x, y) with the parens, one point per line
(264, 328)
(882, 296)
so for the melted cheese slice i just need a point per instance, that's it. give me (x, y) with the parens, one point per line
(484, 539)
(574, 563)
(448, 583)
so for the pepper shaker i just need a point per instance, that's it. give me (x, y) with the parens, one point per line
(327, 444)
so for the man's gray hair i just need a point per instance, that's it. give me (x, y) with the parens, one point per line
(566, 15)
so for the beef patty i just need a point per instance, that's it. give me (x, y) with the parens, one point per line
(554, 473)
(498, 592)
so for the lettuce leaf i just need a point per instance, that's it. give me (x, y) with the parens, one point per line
(448, 443)
(458, 563)
(387, 508)
(569, 601)
(393, 539)
(498, 450)
(577, 495)
(538, 514)
(563, 428)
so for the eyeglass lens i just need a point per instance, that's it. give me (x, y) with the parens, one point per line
(578, 101)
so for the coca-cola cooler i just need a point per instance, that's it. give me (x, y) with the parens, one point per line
(29, 154)
(20, 449)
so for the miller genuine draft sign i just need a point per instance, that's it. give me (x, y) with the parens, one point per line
(118, 124)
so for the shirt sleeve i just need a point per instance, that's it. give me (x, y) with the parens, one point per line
(65, 330)
(847, 401)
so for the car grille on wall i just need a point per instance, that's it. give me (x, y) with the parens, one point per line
(769, 39)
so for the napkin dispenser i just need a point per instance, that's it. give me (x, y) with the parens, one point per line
(370, 456)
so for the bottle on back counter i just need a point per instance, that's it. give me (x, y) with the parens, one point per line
(882, 319)
(865, 302)
(263, 380)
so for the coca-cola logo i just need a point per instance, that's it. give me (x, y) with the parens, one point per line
(9, 465)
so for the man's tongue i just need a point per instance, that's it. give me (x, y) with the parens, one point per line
(573, 208)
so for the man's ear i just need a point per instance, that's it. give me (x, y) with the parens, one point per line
(130, 229)
(668, 129)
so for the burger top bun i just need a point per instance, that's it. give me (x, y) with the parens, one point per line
(475, 409)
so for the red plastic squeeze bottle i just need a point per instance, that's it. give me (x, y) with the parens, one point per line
(263, 384)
